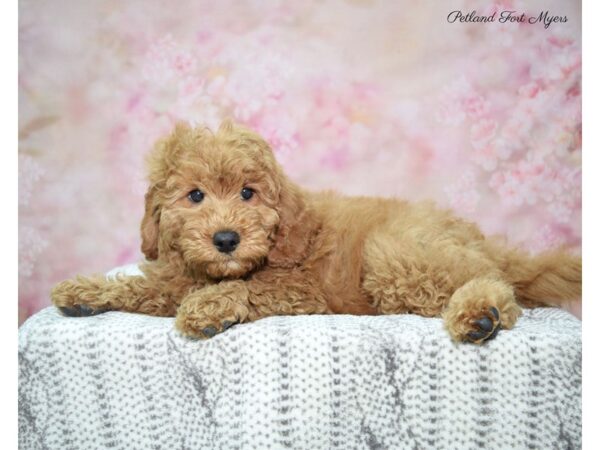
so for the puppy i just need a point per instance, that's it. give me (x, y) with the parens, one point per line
(230, 239)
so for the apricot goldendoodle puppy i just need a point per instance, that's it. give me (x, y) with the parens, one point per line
(229, 239)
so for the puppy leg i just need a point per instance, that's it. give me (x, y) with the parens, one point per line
(418, 271)
(85, 296)
(399, 278)
(479, 309)
(213, 309)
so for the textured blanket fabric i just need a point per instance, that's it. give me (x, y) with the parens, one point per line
(128, 381)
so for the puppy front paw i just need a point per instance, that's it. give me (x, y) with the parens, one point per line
(76, 299)
(204, 314)
(197, 324)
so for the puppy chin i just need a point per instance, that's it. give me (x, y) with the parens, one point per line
(228, 269)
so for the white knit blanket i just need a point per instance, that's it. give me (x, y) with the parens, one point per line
(128, 381)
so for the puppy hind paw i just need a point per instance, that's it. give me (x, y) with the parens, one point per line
(477, 326)
(479, 309)
(484, 328)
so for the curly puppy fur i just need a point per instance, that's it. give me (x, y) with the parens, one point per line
(308, 253)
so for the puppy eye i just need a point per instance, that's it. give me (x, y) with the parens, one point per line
(247, 193)
(196, 196)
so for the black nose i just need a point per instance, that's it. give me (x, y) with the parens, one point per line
(226, 241)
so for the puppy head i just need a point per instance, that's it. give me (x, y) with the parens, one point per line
(218, 201)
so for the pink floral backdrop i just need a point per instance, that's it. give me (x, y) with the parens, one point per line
(367, 97)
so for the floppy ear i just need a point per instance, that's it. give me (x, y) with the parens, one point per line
(159, 161)
(297, 228)
(149, 226)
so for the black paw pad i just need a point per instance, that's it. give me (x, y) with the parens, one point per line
(227, 324)
(486, 327)
(485, 324)
(211, 331)
(495, 313)
(70, 312)
(80, 311)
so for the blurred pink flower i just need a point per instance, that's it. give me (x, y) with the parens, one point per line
(166, 61)
(475, 106)
(529, 90)
(463, 193)
(486, 157)
(544, 238)
(30, 173)
(31, 245)
(460, 100)
(482, 132)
